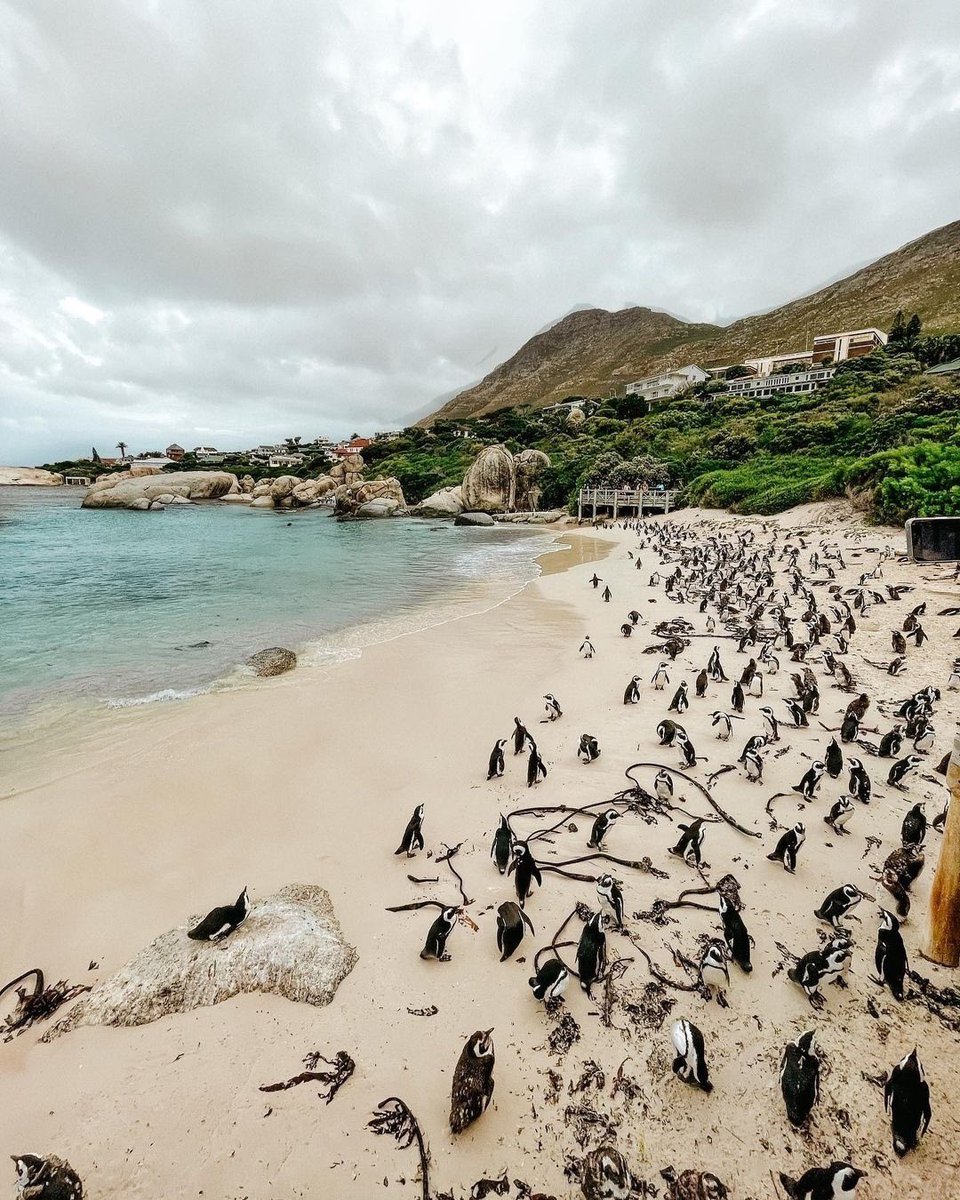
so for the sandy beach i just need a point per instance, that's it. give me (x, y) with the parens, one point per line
(311, 779)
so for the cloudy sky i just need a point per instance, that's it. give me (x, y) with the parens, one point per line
(224, 221)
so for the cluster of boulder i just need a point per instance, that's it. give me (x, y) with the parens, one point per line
(496, 482)
(144, 488)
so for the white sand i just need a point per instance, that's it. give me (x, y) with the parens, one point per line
(312, 777)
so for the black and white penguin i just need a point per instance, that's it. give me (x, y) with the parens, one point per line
(550, 981)
(221, 922)
(925, 740)
(632, 694)
(701, 684)
(610, 894)
(906, 1098)
(626, 629)
(723, 725)
(838, 1181)
(536, 767)
(901, 769)
(840, 813)
(660, 677)
(736, 698)
(510, 922)
(412, 839)
(606, 594)
(552, 709)
(587, 649)
(690, 1065)
(436, 944)
(589, 749)
(850, 727)
(810, 972)
(520, 736)
(833, 757)
(688, 753)
(525, 870)
(634, 616)
(771, 723)
(914, 827)
(592, 952)
(838, 904)
(472, 1081)
(800, 1078)
(808, 785)
(715, 666)
(714, 972)
(595, 580)
(735, 935)
(691, 842)
(495, 765)
(601, 827)
(502, 848)
(788, 847)
(798, 714)
(753, 765)
(667, 731)
(680, 703)
(859, 787)
(663, 785)
(891, 955)
(49, 1178)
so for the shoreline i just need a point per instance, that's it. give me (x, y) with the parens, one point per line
(267, 786)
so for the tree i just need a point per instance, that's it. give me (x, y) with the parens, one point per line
(914, 325)
(122, 447)
(898, 329)
(738, 371)
(96, 456)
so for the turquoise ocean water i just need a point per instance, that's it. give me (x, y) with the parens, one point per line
(113, 608)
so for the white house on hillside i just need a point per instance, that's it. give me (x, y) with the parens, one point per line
(667, 383)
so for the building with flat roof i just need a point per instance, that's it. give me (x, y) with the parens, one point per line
(773, 364)
(757, 387)
(854, 343)
(666, 383)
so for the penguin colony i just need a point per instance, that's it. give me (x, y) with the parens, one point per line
(781, 680)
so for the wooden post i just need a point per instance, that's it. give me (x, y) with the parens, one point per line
(943, 935)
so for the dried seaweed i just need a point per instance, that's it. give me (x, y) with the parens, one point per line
(42, 1003)
(395, 1119)
(339, 1072)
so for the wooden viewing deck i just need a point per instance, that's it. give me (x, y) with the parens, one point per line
(622, 501)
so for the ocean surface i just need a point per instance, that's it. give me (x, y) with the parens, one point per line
(113, 608)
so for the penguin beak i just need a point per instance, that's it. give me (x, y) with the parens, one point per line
(487, 1032)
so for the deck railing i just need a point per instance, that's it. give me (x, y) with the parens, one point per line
(623, 500)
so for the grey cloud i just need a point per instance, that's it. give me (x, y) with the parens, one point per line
(303, 217)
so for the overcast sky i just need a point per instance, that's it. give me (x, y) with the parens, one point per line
(224, 221)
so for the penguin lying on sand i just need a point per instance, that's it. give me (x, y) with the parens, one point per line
(49, 1178)
(412, 839)
(800, 1078)
(838, 1181)
(906, 1097)
(221, 922)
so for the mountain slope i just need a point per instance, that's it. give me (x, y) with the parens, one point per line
(588, 351)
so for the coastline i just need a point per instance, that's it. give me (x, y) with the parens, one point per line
(270, 785)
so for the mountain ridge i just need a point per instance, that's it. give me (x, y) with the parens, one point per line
(590, 350)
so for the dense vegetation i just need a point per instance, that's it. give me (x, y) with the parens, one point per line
(881, 430)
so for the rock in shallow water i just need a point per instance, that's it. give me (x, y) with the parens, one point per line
(473, 518)
(274, 661)
(290, 944)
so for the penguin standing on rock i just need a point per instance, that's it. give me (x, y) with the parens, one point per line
(436, 944)
(601, 827)
(495, 765)
(589, 750)
(592, 952)
(510, 922)
(906, 1097)
(412, 839)
(691, 842)
(472, 1081)
(800, 1078)
(610, 894)
(632, 694)
(890, 958)
(837, 1182)
(525, 870)
(839, 814)
(788, 848)
(550, 981)
(502, 849)
(690, 1065)
(219, 923)
(841, 901)
(735, 935)
(552, 709)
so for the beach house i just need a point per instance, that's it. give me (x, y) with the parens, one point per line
(667, 383)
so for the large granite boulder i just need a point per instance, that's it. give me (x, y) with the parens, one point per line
(489, 484)
(265, 500)
(350, 497)
(122, 489)
(311, 491)
(247, 484)
(274, 661)
(262, 488)
(474, 518)
(448, 502)
(29, 477)
(575, 419)
(377, 508)
(283, 486)
(347, 470)
(290, 944)
(528, 465)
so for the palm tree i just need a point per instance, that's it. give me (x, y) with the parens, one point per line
(122, 447)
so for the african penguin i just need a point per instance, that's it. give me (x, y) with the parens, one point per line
(550, 981)
(632, 694)
(735, 934)
(412, 839)
(552, 708)
(914, 827)
(536, 767)
(859, 786)
(660, 677)
(601, 827)
(901, 769)
(221, 922)
(510, 922)
(838, 904)
(472, 1081)
(753, 765)
(592, 952)
(663, 785)
(610, 894)
(587, 648)
(800, 1078)
(838, 1181)
(436, 944)
(589, 749)
(524, 867)
(890, 958)
(839, 814)
(520, 736)
(495, 764)
(502, 848)
(723, 725)
(833, 757)
(690, 1064)
(679, 703)
(691, 841)
(714, 972)
(606, 1175)
(788, 847)
(770, 720)
(808, 785)
(49, 1178)
(906, 1097)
